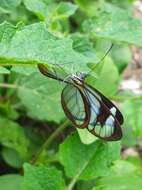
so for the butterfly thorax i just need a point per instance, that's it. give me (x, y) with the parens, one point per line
(79, 78)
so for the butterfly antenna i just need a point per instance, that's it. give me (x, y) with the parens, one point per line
(101, 60)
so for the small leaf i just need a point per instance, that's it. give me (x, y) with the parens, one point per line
(65, 9)
(12, 158)
(86, 137)
(87, 161)
(12, 136)
(3, 70)
(9, 5)
(42, 178)
(11, 182)
(39, 7)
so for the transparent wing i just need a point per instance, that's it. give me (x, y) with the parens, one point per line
(75, 105)
(57, 74)
(104, 120)
(114, 110)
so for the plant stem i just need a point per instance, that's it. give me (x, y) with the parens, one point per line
(49, 141)
(71, 185)
(122, 98)
(6, 85)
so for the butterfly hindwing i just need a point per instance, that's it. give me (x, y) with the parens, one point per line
(114, 110)
(104, 122)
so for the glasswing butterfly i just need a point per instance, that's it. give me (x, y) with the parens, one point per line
(88, 108)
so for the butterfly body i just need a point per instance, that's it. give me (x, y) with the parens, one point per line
(86, 107)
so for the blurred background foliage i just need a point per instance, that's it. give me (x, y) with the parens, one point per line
(39, 149)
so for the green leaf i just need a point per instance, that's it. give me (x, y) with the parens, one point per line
(42, 178)
(3, 70)
(87, 161)
(7, 110)
(12, 158)
(9, 5)
(121, 178)
(83, 45)
(122, 167)
(107, 83)
(12, 136)
(33, 44)
(122, 56)
(86, 137)
(116, 25)
(11, 182)
(50, 11)
(128, 182)
(64, 10)
(41, 97)
(89, 7)
(132, 112)
(39, 7)
(24, 70)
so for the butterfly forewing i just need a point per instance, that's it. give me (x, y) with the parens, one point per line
(75, 106)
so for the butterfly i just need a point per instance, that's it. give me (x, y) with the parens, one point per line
(86, 107)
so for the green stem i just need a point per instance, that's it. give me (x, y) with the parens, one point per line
(49, 141)
(121, 98)
(6, 85)
(71, 185)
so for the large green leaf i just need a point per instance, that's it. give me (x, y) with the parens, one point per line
(42, 178)
(87, 161)
(12, 136)
(116, 25)
(33, 44)
(11, 182)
